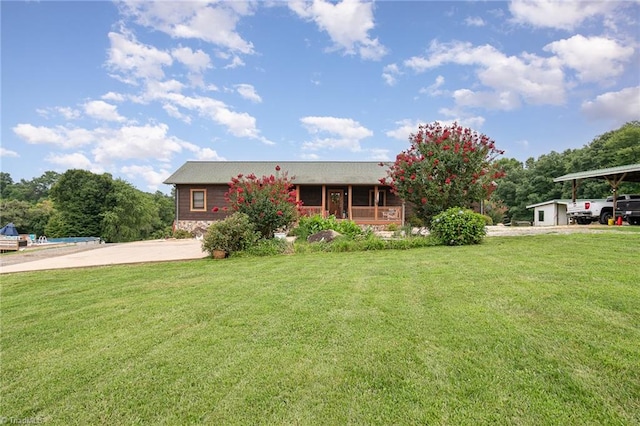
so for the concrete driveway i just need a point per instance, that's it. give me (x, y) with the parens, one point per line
(110, 254)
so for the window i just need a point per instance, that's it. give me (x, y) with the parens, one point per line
(540, 215)
(382, 199)
(198, 200)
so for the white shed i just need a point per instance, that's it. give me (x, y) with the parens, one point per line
(550, 213)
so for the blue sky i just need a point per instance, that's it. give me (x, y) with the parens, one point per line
(135, 89)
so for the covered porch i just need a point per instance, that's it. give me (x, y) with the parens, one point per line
(364, 204)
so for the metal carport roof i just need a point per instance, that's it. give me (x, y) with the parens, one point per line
(628, 173)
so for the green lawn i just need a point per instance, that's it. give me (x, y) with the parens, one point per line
(536, 330)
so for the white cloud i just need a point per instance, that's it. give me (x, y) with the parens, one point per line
(463, 119)
(474, 21)
(565, 15)
(8, 153)
(528, 77)
(344, 133)
(101, 110)
(132, 61)
(113, 96)
(404, 129)
(196, 62)
(213, 22)
(73, 161)
(67, 113)
(594, 58)
(247, 91)
(434, 89)
(618, 107)
(348, 24)
(238, 124)
(153, 178)
(390, 74)
(379, 154)
(135, 142)
(60, 135)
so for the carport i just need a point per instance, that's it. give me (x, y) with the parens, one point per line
(613, 175)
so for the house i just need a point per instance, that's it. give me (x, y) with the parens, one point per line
(347, 190)
(550, 213)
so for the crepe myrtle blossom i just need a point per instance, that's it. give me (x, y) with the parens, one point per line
(445, 166)
(270, 201)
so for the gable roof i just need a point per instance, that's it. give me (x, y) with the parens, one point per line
(302, 172)
(550, 202)
(630, 172)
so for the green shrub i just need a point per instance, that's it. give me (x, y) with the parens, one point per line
(488, 221)
(182, 234)
(235, 233)
(415, 221)
(267, 247)
(309, 225)
(457, 226)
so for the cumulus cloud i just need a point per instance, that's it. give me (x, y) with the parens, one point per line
(113, 96)
(62, 136)
(404, 129)
(618, 107)
(240, 124)
(131, 61)
(8, 153)
(564, 15)
(593, 58)
(347, 23)
(213, 22)
(527, 77)
(73, 161)
(101, 110)
(247, 91)
(152, 177)
(342, 133)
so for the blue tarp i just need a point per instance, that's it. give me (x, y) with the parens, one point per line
(9, 229)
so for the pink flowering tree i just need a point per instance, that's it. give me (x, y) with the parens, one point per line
(445, 166)
(269, 201)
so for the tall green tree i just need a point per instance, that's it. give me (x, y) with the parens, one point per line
(80, 198)
(130, 214)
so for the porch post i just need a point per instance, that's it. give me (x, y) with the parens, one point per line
(350, 203)
(376, 196)
(297, 193)
(324, 200)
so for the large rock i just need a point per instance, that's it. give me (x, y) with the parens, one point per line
(327, 236)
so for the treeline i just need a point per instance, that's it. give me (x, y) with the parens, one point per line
(531, 182)
(79, 203)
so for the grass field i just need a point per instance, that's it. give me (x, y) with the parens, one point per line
(535, 330)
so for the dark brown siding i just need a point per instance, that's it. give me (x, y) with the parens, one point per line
(215, 198)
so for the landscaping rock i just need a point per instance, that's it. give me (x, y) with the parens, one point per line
(327, 236)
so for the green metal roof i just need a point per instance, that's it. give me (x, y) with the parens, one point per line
(631, 173)
(303, 172)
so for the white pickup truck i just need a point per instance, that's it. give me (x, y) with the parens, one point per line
(585, 212)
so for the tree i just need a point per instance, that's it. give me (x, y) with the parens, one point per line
(6, 183)
(80, 199)
(445, 166)
(269, 201)
(129, 214)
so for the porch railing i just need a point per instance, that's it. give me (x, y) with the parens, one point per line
(389, 214)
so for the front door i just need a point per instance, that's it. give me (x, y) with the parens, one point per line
(336, 202)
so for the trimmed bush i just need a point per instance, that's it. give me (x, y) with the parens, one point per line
(235, 233)
(181, 234)
(314, 224)
(457, 226)
(267, 247)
